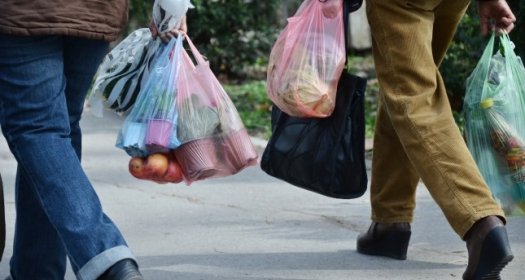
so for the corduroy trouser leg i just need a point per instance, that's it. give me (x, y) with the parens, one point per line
(416, 136)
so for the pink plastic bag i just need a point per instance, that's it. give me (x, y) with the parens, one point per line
(307, 59)
(214, 140)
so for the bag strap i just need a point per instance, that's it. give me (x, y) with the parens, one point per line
(353, 5)
(349, 6)
(196, 54)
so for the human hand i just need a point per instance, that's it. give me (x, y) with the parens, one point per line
(495, 14)
(166, 36)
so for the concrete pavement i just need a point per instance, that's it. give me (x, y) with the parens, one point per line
(252, 227)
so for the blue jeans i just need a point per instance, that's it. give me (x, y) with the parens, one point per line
(43, 83)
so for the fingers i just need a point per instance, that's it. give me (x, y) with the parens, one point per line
(495, 16)
(183, 26)
(166, 36)
(153, 29)
(486, 28)
(506, 24)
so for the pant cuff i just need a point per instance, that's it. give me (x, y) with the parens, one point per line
(101, 262)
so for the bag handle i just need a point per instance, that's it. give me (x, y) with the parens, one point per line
(349, 6)
(196, 54)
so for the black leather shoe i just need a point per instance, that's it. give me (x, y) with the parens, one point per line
(387, 240)
(125, 269)
(488, 249)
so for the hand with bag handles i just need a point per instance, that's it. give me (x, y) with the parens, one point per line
(166, 36)
(495, 15)
(168, 18)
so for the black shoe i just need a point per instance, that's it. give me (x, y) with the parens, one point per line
(488, 249)
(387, 240)
(125, 269)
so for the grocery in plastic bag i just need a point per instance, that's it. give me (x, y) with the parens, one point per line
(214, 141)
(494, 111)
(307, 60)
(151, 124)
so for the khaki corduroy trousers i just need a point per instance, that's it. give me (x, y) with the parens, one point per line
(416, 136)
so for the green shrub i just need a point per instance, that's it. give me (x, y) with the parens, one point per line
(253, 106)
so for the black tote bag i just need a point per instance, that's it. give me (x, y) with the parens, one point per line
(323, 155)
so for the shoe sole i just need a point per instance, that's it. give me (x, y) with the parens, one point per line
(495, 255)
(394, 246)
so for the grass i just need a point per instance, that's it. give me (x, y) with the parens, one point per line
(254, 106)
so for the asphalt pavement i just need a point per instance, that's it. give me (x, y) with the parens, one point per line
(250, 226)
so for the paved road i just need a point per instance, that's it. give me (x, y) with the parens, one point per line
(253, 227)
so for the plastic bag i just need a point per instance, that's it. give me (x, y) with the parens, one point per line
(307, 60)
(167, 14)
(494, 111)
(150, 126)
(123, 72)
(214, 140)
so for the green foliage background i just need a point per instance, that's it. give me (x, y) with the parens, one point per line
(237, 35)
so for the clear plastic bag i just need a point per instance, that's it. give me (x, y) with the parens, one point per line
(151, 124)
(123, 72)
(307, 60)
(214, 140)
(494, 112)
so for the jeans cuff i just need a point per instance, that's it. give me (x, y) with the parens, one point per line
(101, 262)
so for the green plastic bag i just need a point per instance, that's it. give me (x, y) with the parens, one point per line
(494, 111)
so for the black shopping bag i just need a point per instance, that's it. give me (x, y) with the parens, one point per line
(323, 155)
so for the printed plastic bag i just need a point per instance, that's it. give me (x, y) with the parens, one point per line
(214, 140)
(307, 60)
(167, 14)
(123, 72)
(495, 123)
(150, 127)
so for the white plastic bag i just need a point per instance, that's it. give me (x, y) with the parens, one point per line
(123, 72)
(167, 14)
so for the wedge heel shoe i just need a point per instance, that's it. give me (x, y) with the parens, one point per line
(387, 240)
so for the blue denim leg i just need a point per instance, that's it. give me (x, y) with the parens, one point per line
(47, 250)
(43, 81)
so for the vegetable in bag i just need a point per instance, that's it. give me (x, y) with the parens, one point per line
(214, 141)
(307, 60)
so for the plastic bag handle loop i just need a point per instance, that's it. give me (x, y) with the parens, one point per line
(196, 54)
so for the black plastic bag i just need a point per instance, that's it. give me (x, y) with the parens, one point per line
(323, 155)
